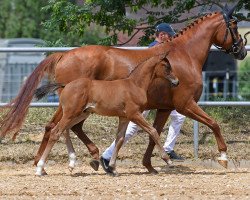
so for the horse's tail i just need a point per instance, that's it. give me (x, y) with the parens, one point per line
(18, 107)
(45, 89)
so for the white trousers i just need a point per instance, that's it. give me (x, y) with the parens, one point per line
(177, 120)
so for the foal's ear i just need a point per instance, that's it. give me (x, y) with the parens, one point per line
(167, 65)
(162, 56)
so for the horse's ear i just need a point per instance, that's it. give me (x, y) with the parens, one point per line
(229, 11)
(226, 9)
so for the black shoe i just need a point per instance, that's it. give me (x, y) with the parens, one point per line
(105, 165)
(174, 156)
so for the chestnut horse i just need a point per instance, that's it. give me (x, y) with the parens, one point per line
(125, 98)
(189, 50)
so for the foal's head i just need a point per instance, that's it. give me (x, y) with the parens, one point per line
(227, 37)
(164, 70)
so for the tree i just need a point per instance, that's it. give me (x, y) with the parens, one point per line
(119, 16)
(23, 19)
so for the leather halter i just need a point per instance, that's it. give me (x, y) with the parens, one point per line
(235, 48)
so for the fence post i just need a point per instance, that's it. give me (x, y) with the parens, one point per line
(196, 139)
(225, 85)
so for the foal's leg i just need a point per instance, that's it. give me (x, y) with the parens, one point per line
(71, 116)
(159, 122)
(139, 119)
(193, 111)
(122, 127)
(77, 129)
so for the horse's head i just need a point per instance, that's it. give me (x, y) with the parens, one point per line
(227, 37)
(164, 70)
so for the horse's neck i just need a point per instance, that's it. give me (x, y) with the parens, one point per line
(197, 40)
(143, 74)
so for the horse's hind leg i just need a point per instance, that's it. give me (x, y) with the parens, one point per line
(71, 151)
(193, 111)
(54, 136)
(56, 118)
(94, 151)
(159, 122)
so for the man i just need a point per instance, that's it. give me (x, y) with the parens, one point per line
(163, 32)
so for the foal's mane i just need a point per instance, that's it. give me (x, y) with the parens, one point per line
(141, 62)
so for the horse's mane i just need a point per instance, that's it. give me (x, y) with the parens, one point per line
(191, 25)
(177, 35)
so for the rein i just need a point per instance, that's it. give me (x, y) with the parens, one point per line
(245, 37)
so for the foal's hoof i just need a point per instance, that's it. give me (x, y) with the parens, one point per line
(94, 164)
(223, 163)
(71, 169)
(170, 163)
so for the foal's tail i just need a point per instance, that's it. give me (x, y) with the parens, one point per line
(18, 107)
(45, 89)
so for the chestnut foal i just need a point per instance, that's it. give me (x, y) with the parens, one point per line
(125, 98)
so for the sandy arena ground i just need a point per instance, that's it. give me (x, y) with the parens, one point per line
(187, 180)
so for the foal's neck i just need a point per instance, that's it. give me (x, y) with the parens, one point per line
(143, 74)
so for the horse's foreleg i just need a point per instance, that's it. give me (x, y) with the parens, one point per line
(193, 111)
(94, 151)
(71, 151)
(138, 119)
(160, 120)
(56, 118)
(122, 127)
(77, 129)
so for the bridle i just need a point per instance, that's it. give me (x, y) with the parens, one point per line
(236, 47)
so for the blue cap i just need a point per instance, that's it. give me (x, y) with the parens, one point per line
(164, 27)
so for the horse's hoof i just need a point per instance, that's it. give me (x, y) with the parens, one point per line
(151, 170)
(94, 164)
(223, 163)
(170, 163)
(112, 172)
(154, 172)
(41, 173)
(44, 173)
(71, 169)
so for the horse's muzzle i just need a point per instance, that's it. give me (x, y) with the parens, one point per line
(241, 54)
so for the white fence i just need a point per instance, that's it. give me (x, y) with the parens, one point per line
(14, 69)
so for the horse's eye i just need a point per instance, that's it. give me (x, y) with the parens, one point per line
(168, 67)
